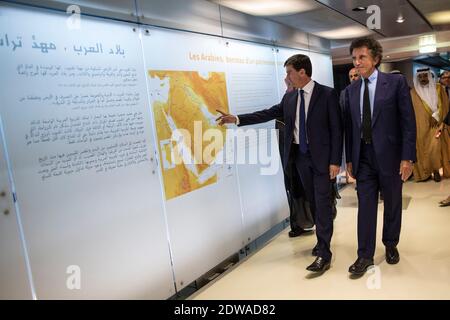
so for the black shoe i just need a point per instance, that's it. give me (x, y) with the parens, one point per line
(445, 203)
(360, 266)
(315, 250)
(296, 233)
(392, 255)
(319, 265)
(437, 176)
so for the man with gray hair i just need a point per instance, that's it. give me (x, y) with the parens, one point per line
(380, 133)
(430, 104)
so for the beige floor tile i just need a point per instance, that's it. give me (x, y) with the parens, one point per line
(277, 271)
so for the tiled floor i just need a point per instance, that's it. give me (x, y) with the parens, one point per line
(277, 271)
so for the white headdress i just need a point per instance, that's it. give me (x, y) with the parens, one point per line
(428, 92)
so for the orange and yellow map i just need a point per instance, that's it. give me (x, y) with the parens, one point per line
(186, 100)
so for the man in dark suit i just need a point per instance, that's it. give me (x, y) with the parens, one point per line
(300, 217)
(380, 138)
(313, 137)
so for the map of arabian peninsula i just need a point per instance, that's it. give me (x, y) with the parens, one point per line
(186, 100)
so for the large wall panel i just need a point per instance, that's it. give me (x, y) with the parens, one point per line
(14, 279)
(78, 131)
(187, 82)
(253, 78)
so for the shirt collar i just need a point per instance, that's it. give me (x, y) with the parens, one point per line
(373, 77)
(308, 87)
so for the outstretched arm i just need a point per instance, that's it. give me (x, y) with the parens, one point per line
(252, 118)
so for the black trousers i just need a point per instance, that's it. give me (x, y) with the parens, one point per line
(370, 180)
(317, 188)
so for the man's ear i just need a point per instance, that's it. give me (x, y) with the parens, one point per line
(377, 60)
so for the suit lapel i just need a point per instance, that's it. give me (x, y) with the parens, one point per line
(380, 89)
(292, 107)
(314, 96)
(355, 103)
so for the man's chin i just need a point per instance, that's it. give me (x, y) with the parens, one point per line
(362, 73)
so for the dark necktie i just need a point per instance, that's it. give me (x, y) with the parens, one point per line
(302, 125)
(367, 122)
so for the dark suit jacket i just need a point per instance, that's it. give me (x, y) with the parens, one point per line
(323, 125)
(393, 123)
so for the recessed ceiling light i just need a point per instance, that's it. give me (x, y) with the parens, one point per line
(440, 17)
(388, 57)
(344, 33)
(268, 7)
(359, 9)
(400, 19)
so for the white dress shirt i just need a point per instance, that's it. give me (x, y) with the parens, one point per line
(308, 89)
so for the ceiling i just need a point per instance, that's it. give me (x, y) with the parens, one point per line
(335, 20)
